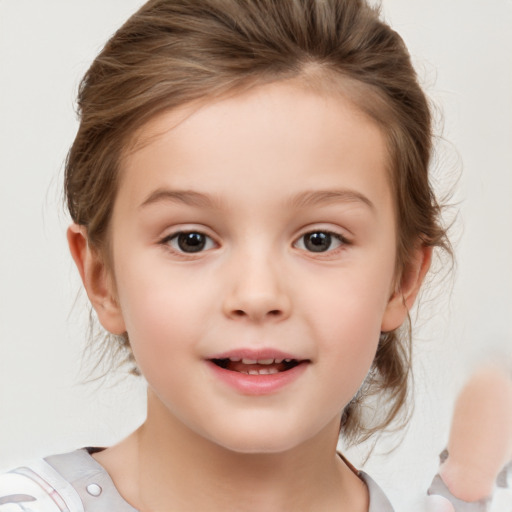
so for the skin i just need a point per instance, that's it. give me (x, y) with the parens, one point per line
(480, 441)
(265, 163)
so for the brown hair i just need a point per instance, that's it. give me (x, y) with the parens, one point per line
(172, 52)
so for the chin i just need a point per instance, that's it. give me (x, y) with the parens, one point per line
(266, 447)
(265, 441)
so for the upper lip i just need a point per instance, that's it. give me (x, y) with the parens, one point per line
(256, 355)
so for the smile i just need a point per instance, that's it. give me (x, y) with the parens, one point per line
(258, 372)
(267, 366)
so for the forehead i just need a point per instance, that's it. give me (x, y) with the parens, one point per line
(277, 134)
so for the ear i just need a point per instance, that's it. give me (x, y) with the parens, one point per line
(96, 279)
(407, 290)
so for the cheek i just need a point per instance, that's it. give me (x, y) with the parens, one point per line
(350, 352)
(164, 337)
(347, 318)
(352, 302)
(161, 312)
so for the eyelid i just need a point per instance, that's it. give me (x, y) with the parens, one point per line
(343, 240)
(341, 233)
(174, 234)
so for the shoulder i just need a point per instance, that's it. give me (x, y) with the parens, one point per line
(378, 500)
(37, 487)
(70, 482)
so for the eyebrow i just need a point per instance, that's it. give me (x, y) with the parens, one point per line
(188, 197)
(319, 197)
(301, 200)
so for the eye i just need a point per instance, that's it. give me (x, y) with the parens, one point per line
(189, 242)
(320, 241)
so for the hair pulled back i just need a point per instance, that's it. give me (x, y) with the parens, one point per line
(172, 52)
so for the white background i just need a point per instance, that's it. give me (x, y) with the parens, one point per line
(463, 53)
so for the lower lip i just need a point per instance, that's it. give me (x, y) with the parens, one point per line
(258, 384)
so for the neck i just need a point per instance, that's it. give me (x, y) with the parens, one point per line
(171, 465)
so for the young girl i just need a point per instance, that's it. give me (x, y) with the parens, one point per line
(252, 221)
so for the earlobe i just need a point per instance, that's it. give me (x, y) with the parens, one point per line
(96, 280)
(411, 280)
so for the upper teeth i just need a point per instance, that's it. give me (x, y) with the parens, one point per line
(259, 361)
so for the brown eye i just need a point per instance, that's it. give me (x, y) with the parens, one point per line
(320, 241)
(190, 242)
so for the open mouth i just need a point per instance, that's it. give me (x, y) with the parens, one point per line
(257, 366)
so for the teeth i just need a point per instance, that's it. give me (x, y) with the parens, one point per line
(259, 361)
(262, 371)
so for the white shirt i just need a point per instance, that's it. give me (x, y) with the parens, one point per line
(75, 482)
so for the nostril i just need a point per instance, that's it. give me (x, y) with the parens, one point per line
(274, 312)
(238, 312)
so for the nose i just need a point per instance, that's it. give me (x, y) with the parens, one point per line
(257, 291)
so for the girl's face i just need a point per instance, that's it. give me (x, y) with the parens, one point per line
(253, 247)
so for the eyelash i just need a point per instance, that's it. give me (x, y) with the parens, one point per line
(332, 236)
(175, 237)
(207, 243)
